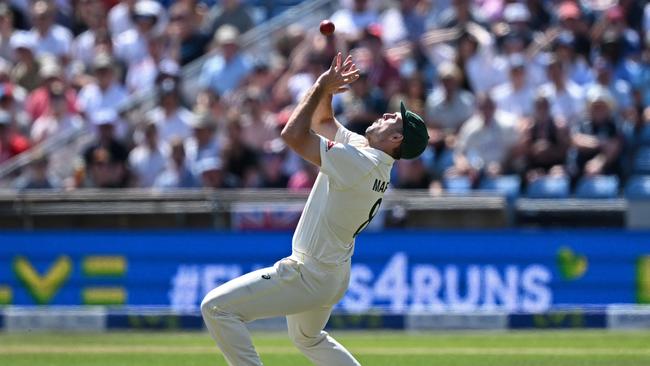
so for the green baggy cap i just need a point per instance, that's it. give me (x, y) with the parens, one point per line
(415, 134)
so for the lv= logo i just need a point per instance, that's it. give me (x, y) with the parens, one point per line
(44, 286)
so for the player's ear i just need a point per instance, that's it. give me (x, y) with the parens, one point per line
(396, 137)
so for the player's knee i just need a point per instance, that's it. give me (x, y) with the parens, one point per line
(302, 340)
(213, 304)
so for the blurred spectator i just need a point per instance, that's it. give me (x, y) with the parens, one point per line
(361, 106)
(38, 101)
(203, 142)
(12, 143)
(240, 159)
(6, 30)
(105, 159)
(120, 17)
(224, 72)
(485, 142)
(131, 45)
(149, 158)
(26, 68)
(106, 91)
(173, 120)
(51, 38)
(304, 178)
(37, 176)
(211, 173)
(259, 126)
(575, 64)
(566, 96)
(598, 139)
(413, 93)
(460, 13)
(402, 23)
(354, 18)
(146, 74)
(412, 174)
(545, 141)
(516, 95)
(448, 106)
(187, 42)
(618, 88)
(229, 12)
(177, 174)
(371, 58)
(272, 174)
(93, 16)
(57, 120)
(571, 20)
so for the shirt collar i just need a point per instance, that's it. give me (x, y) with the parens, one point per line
(379, 155)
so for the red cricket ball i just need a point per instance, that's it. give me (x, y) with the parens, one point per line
(326, 27)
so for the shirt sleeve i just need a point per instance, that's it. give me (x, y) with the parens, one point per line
(343, 163)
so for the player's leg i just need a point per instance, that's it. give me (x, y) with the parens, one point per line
(268, 292)
(306, 332)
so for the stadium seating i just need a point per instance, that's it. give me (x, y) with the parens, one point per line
(605, 186)
(638, 187)
(549, 187)
(508, 185)
(457, 184)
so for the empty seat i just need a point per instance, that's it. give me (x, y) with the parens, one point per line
(549, 187)
(457, 184)
(602, 186)
(638, 187)
(507, 185)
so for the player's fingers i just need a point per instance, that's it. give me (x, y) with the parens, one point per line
(347, 66)
(351, 74)
(338, 61)
(334, 61)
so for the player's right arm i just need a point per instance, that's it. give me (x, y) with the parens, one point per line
(323, 121)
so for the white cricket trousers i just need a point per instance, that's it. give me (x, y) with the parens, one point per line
(299, 287)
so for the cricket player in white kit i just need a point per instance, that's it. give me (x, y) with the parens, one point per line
(354, 174)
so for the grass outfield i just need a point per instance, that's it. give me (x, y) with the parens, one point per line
(520, 348)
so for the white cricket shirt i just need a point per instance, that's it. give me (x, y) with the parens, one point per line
(347, 194)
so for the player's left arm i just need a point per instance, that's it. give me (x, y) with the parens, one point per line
(297, 133)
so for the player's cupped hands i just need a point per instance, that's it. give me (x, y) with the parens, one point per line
(339, 75)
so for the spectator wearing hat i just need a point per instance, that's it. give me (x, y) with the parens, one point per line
(171, 117)
(187, 41)
(566, 97)
(177, 173)
(105, 159)
(448, 106)
(149, 158)
(225, 71)
(362, 106)
(229, 12)
(571, 20)
(51, 38)
(12, 142)
(38, 101)
(460, 13)
(486, 142)
(131, 45)
(545, 141)
(25, 71)
(272, 173)
(516, 95)
(598, 140)
(105, 91)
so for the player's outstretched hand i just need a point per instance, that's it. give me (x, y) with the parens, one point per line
(339, 75)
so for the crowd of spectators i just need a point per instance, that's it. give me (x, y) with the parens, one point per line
(531, 89)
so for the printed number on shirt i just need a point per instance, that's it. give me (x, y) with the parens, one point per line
(371, 215)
